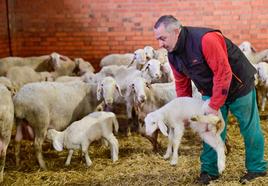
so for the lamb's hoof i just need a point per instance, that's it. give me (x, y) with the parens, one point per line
(88, 164)
(166, 156)
(115, 159)
(221, 167)
(173, 162)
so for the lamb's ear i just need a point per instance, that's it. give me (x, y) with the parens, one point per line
(162, 127)
(118, 89)
(57, 145)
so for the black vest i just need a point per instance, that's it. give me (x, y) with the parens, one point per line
(187, 58)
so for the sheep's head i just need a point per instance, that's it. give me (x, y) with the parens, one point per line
(153, 67)
(106, 89)
(246, 47)
(83, 66)
(136, 89)
(153, 122)
(149, 52)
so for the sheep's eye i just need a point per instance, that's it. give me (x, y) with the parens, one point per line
(102, 85)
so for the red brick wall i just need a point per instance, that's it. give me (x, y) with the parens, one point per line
(4, 45)
(94, 28)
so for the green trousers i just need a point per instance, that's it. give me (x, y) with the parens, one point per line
(246, 111)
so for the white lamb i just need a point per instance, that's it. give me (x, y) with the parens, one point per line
(173, 116)
(80, 134)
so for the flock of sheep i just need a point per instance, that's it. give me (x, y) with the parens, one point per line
(63, 100)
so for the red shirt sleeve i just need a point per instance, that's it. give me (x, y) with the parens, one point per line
(182, 84)
(215, 52)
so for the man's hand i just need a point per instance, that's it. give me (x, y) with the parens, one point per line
(208, 110)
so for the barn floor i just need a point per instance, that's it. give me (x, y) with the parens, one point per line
(137, 164)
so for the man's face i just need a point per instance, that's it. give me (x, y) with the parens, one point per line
(166, 39)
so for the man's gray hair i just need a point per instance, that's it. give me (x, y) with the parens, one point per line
(169, 21)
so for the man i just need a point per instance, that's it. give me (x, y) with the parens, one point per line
(222, 74)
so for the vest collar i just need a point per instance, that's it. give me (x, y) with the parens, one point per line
(180, 45)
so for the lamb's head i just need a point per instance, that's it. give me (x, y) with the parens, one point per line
(106, 89)
(149, 52)
(210, 119)
(56, 138)
(153, 68)
(154, 121)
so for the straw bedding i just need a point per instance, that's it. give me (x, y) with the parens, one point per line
(137, 164)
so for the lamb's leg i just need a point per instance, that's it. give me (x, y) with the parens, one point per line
(3, 150)
(38, 142)
(68, 161)
(176, 141)
(263, 102)
(217, 144)
(113, 146)
(85, 153)
(169, 148)
(18, 139)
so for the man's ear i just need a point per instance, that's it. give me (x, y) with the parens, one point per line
(177, 31)
(163, 128)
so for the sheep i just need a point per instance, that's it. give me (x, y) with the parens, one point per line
(149, 52)
(83, 66)
(9, 85)
(80, 134)
(250, 52)
(139, 59)
(262, 86)
(174, 115)
(50, 105)
(61, 65)
(145, 98)
(161, 54)
(6, 124)
(20, 76)
(106, 90)
(116, 59)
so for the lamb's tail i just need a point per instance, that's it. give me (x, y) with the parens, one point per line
(115, 125)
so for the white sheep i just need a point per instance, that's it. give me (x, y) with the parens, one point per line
(10, 86)
(80, 134)
(149, 52)
(106, 89)
(173, 116)
(117, 59)
(83, 66)
(145, 98)
(59, 64)
(161, 54)
(51, 105)
(20, 76)
(262, 86)
(6, 124)
(139, 59)
(250, 52)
